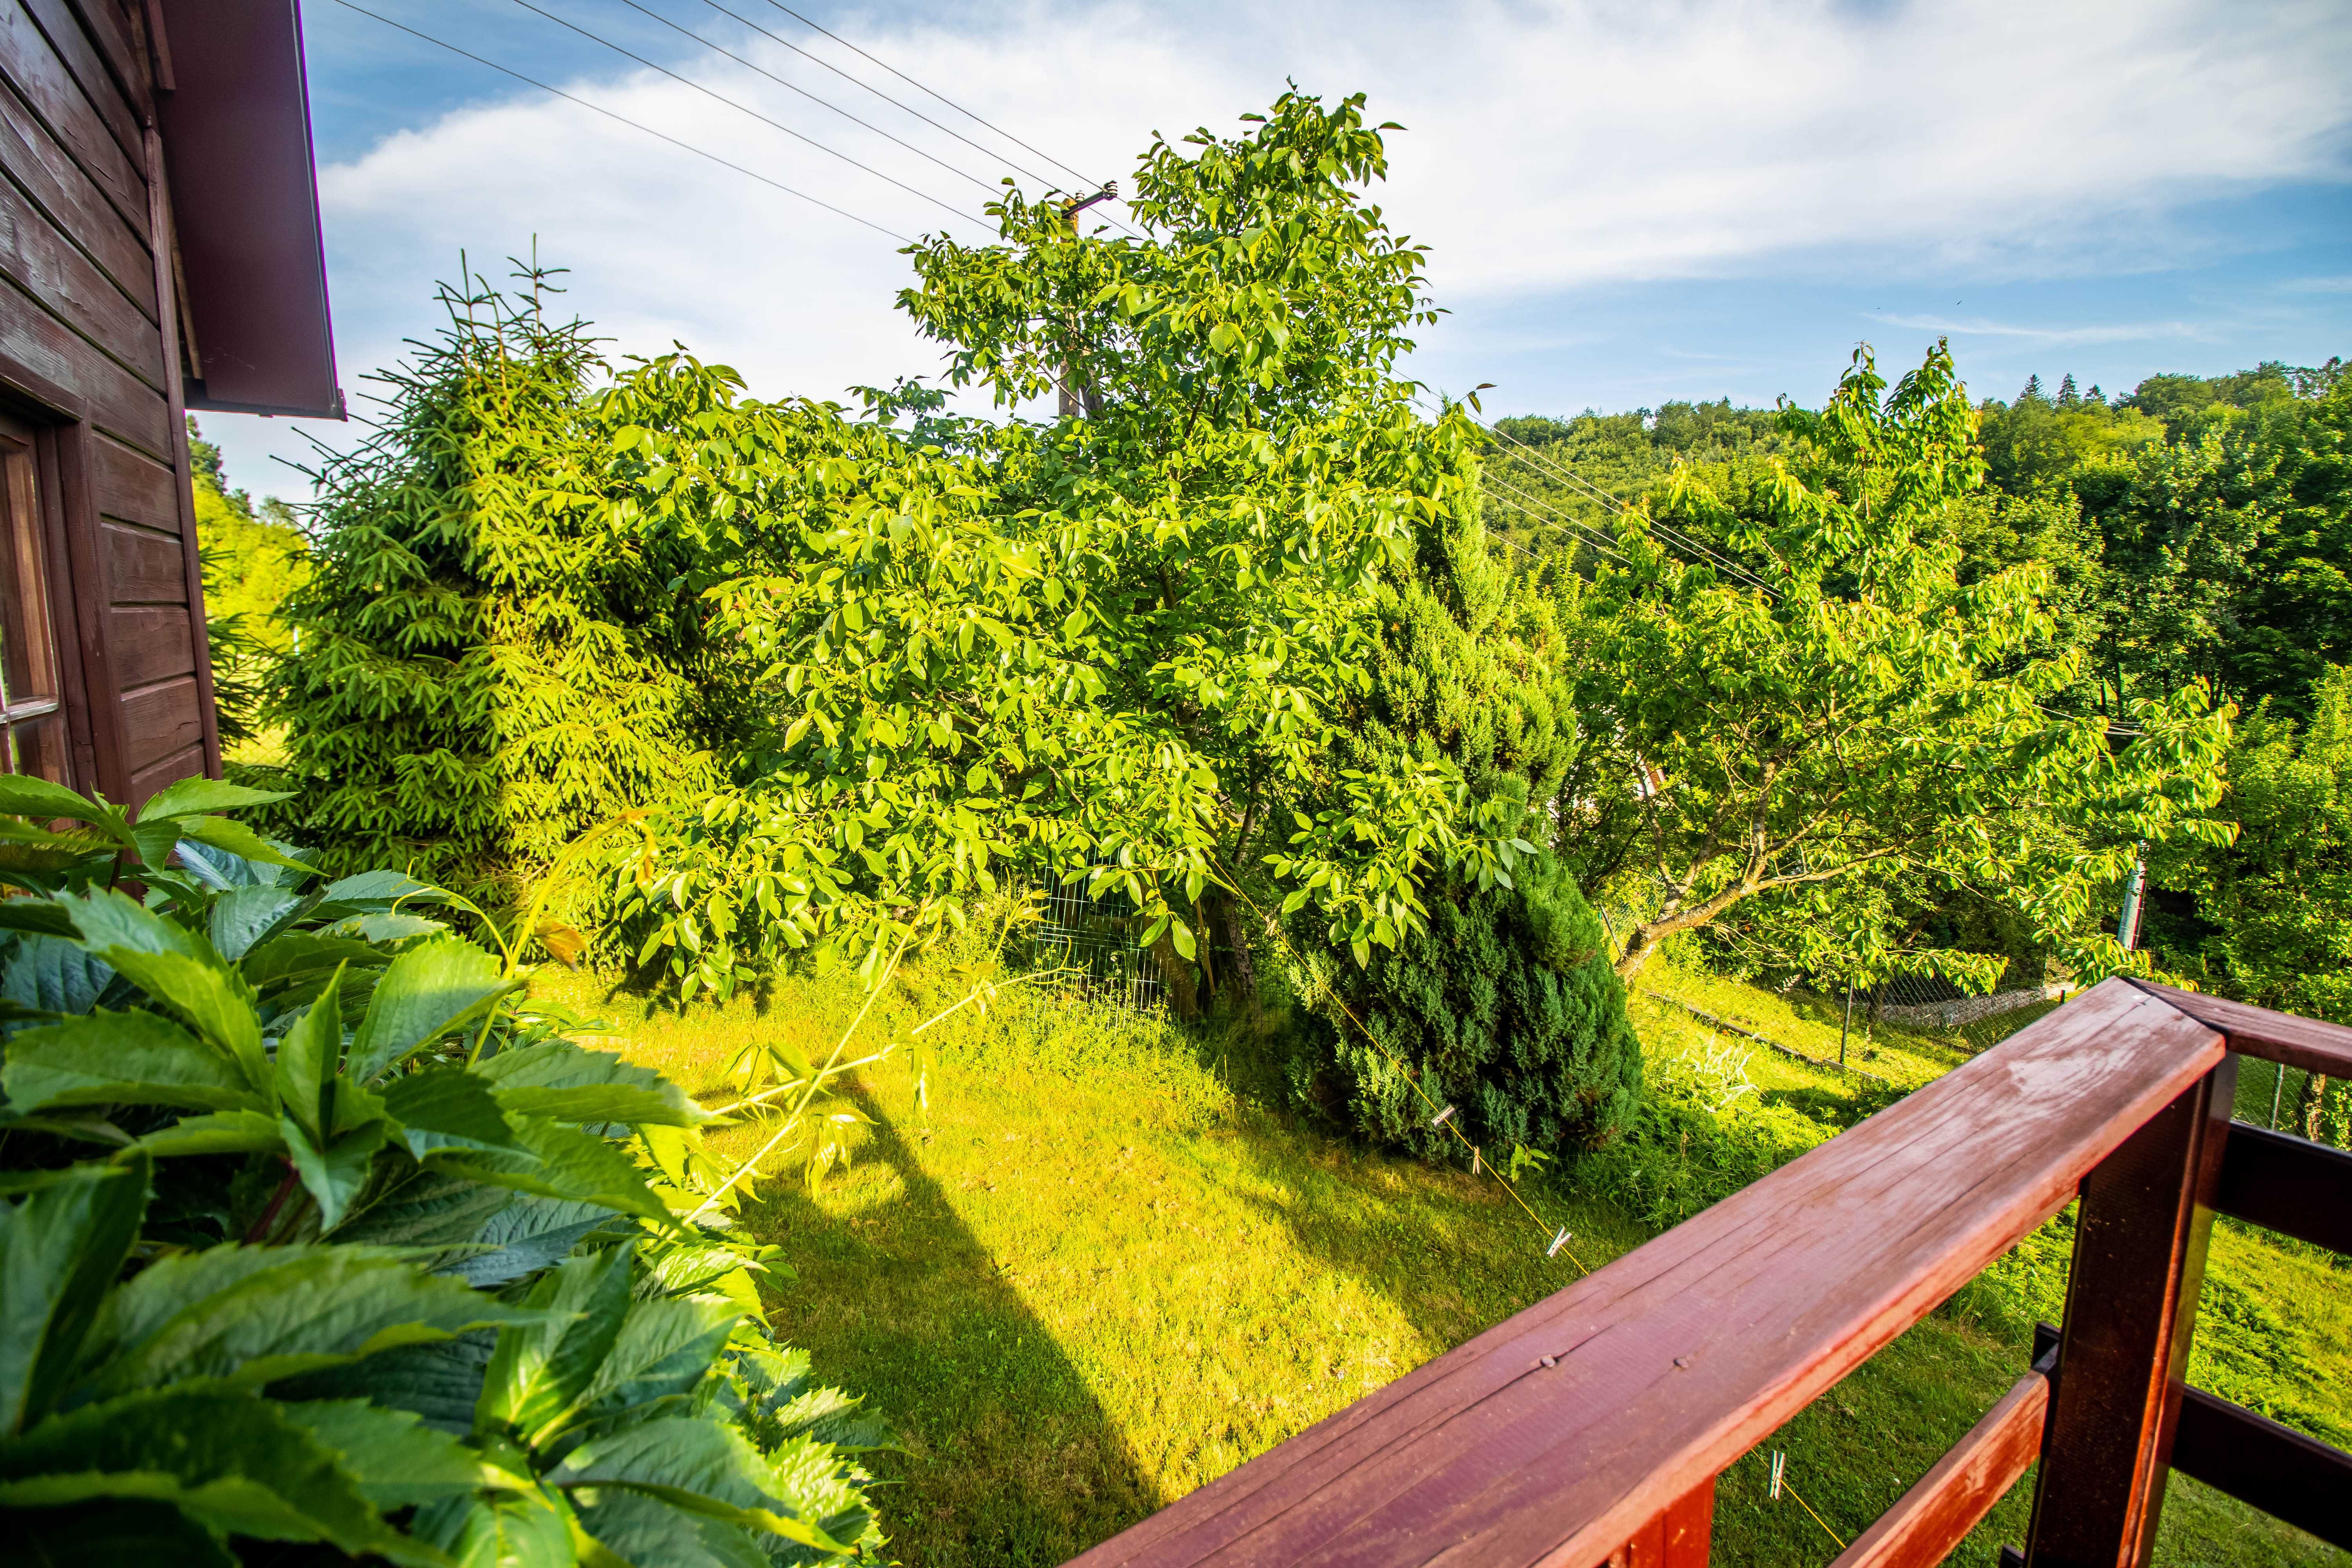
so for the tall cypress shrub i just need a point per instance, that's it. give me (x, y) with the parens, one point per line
(1505, 1007)
(487, 658)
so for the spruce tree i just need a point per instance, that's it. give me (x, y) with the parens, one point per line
(490, 661)
(2067, 396)
(2033, 392)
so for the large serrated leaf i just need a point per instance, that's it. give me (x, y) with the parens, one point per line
(559, 1162)
(642, 1529)
(573, 1084)
(407, 1205)
(542, 1371)
(664, 1350)
(134, 1058)
(228, 1459)
(695, 1463)
(524, 1530)
(427, 991)
(335, 1171)
(252, 1315)
(451, 1103)
(60, 1251)
(308, 1054)
(178, 968)
(55, 974)
(440, 1382)
(299, 955)
(243, 916)
(379, 889)
(528, 1235)
(397, 1460)
(222, 1133)
(237, 840)
(24, 795)
(191, 795)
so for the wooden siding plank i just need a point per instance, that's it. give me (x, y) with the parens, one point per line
(116, 400)
(163, 721)
(78, 53)
(41, 78)
(161, 222)
(170, 769)
(111, 27)
(2306, 1043)
(134, 487)
(142, 568)
(58, 186)
(1929, 1520)
(46, 265)
(1555, 1436)
(151, 643)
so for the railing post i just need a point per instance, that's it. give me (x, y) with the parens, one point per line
(2131, 1307)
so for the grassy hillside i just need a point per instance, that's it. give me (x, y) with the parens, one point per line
(1098, 1270)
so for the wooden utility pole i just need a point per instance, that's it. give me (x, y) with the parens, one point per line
(1076, 397)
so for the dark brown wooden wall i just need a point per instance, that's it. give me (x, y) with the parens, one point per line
(90, 347)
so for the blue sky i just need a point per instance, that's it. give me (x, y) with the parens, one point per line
(1627, 204)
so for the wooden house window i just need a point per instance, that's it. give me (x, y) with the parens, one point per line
(30, 705)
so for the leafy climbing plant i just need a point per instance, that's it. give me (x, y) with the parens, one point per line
(314, 1233)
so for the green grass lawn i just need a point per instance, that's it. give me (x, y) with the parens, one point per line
(1098, 1271)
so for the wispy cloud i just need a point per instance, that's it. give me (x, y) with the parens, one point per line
(2117, 332)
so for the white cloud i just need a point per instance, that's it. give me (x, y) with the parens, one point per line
(2127, 332)
(1553, 146)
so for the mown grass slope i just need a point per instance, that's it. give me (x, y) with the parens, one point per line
(1096, 1271)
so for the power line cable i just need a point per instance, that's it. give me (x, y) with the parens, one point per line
(631, 124)
(732, 103)
(988, 152)
(926, 119)
(951, 103)
(813, 98)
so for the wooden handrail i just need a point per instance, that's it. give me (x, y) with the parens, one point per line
(1589, 1428)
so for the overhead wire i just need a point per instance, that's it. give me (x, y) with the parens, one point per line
(813, 98)
(746, 109)
(930, 92)
(951, 103)
(625, 120)
(988, 152)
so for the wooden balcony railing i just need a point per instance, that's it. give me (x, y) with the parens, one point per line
(1590, 1429)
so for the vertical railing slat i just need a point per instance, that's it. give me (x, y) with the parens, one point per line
(2131, 1305)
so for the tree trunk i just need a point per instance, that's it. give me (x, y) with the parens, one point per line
(1176, 975)
(1243, 976)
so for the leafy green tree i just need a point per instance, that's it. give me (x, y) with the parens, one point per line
(1872, 713)
(491, 660)
(1118, 646)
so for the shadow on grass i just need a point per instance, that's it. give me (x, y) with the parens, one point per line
(1007, 1458)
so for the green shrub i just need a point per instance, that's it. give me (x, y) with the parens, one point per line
(1504, 1008)
(362, 1266)
(489, 660)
